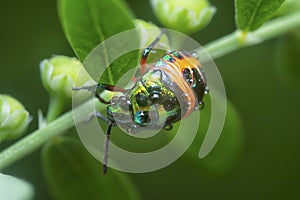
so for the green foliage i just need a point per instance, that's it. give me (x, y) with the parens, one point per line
(72, 173)
(287, 59)
(251, 14)
(287, 7)
(12, 188)
(87, 23)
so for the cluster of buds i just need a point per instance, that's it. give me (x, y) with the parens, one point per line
(58, 75)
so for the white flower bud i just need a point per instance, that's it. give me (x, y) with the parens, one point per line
(59, 74)
(187, 16)
(14, 119)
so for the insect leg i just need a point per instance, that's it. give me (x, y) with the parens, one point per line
(147, 50)
(98, 115)
(111, 88)
(96, 89)
(106, 148)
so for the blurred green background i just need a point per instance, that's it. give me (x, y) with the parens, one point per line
(268, 167)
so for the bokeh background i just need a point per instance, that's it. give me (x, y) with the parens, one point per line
(268, 165)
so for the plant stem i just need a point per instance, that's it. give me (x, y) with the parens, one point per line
(34, 140)
(272, 29)
(216, 49)
(56, 106)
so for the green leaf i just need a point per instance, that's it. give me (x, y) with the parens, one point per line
(15, 189)
(72, 173)
(87, 23)
(287, 60)
(289, 6)
(251, 14)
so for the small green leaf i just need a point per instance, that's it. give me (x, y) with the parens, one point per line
(87, 23)
(15, 189)
(251, 14)
(287, 60)
(72, 173)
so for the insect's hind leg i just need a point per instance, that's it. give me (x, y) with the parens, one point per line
(147, 50)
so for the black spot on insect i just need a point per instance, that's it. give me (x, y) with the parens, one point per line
(141, 99)
(142, 117)
(187, 75)
(154, 88)
(155, 93)
(200, 86)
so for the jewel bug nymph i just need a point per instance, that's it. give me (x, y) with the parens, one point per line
(169, 91)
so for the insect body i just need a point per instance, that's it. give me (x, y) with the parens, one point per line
(170, 91)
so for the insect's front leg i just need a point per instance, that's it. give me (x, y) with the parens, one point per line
(106, 148)
(147, 50)
(98, 88)
(98, 115)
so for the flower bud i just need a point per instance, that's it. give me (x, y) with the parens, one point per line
(187, 16)
(14, 119)
(59, 74)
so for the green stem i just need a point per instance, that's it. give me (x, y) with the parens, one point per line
(34, 140)
(216, 49)
(272, 29)
(56, 106)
